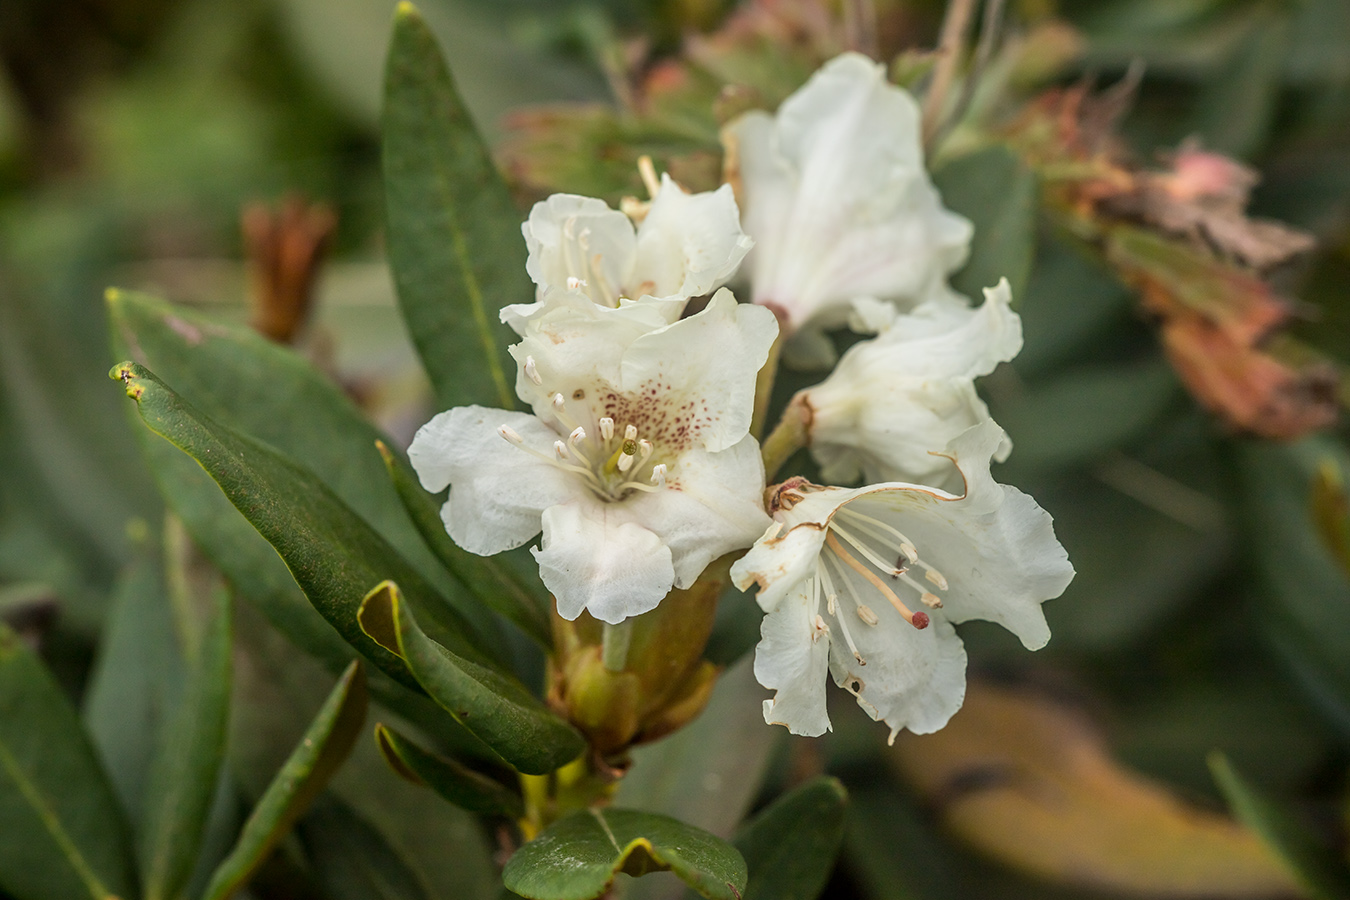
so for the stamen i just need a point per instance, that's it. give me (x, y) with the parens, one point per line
(648, 173)
(560, 449)
(630, 433)
(659, 474)
(577, 436)
(510, 434)
(606, 428)
(627, 453)
(644, 452)
(821, 628)
(923, 592)
(574, 283)
(932, 601)
(934, 576)
(532, 371)
(866, 551)
(863, 520)
(843, 625)
(773, 531)
(912, 618)
(867, 615)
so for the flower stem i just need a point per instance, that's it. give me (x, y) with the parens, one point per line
(614, 645)
(764, 385)
(952, 38)
(790, 435)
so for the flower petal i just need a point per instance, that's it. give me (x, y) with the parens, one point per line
(570, 236)
(834, 193)
(596, 558)
(499, 491)
(792, 659)
(688, 244)
(713, 504)
(704, 368)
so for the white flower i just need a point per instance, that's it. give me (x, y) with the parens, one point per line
(637, 463)
(686, 246)
(894, 400)
(867, 583)
(834, 193)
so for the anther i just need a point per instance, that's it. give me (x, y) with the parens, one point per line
(936, 578)
(559, 402)
(659, 474)
(510, 434)
(644, 451)
(575, 284)
(532, 371)
(606, 428)
(930, 600)
(577, 436)
(630, 433)
(821, 628)
(560, 450)
(773, 531)
(867, 615)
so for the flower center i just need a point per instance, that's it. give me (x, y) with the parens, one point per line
(613, 462)
(860, 545)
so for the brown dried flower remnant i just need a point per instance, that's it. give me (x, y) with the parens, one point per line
(285, 248)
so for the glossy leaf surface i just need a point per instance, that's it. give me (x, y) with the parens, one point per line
(496, 708)
(576, 858)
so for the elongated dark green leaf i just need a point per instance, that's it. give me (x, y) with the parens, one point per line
(576, 858)
(351, 858)
(331, 552)
(187, 761)
(454, 236)
(523, 602)
(270, 393)
(1315, 864)
(64, 836)
(134, 679)
(496, 708)
(790, 847)
(456, 783)
(993, 189)
(325, 746)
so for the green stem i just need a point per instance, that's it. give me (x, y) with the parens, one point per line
(764, 385)
(614, 645)
(790, 435)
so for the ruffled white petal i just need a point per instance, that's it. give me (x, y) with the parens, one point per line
(896, 400)
(569, 236)
(596, 558)
(713, 505)
(834, 193)
(780, 562)
(704, 367)
(792, 660)
(499, 490)
(688, 244)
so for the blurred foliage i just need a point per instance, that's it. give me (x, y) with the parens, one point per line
(1212, 606)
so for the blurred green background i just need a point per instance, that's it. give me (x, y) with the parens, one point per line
(1207, 613)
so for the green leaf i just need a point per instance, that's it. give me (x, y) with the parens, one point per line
(331, 552)
(524, 603)
(270, 393)
(993, 189)
(325, 746)
(453, 234)
(134, 678)
(187, 761)
(456, 783)
(496, 708)
(1322, 873)
(64, 834)
(790, 847)
(352, 860)
(576, 858)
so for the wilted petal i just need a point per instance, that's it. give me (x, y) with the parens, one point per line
(792, 660)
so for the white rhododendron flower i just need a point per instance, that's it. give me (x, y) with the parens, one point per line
(834, 193)
(867, 583)
(637, 462)
(895, 399)
(686, 246)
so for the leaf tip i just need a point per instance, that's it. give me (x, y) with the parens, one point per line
(125, 372)
(386, 742)
(406, 10)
